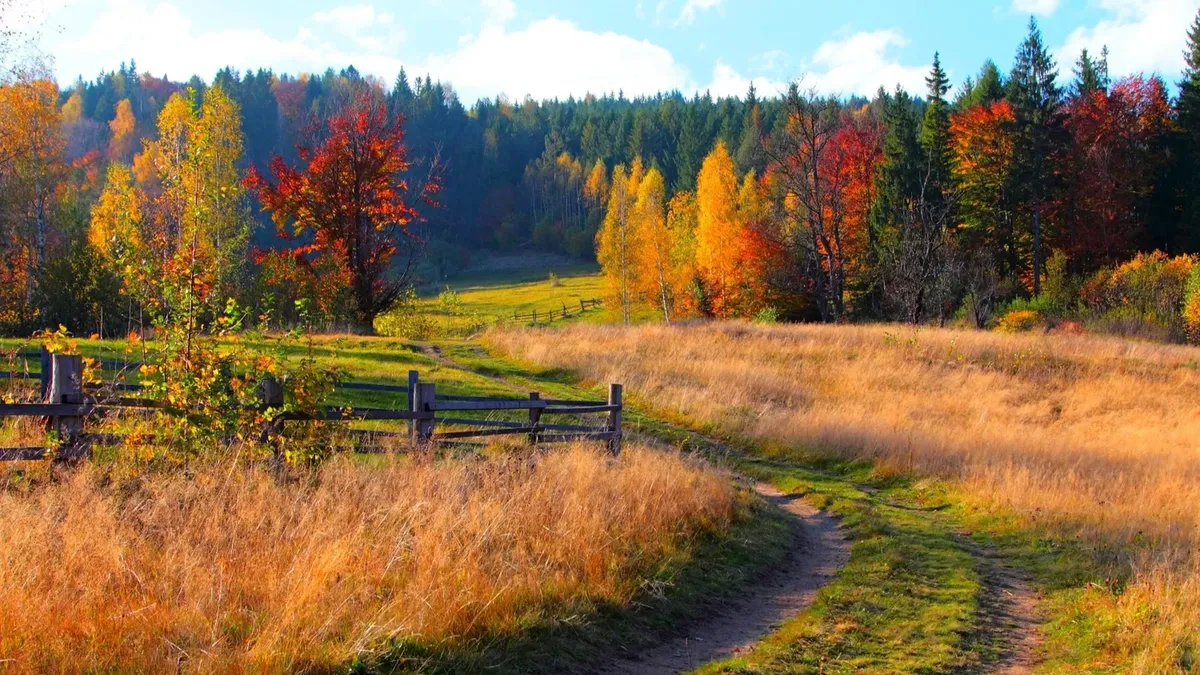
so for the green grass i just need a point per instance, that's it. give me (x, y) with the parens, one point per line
(909, 600)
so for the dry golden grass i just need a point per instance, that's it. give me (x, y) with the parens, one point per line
(229, 569)
(1096, 437)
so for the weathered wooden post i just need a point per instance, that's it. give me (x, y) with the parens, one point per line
(614, 419)
(425, 399)
(65, 387)
(413, 378)
(270, 396)
(45, 374)
(581, 307)
(535, 317)
(535, 417)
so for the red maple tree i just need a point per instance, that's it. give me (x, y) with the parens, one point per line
(351, 193)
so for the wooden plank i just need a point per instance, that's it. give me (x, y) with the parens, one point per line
(486, 432)
(567, 401)
(491, 404)
(571, 438)
(582, 410)
(22, 454)
(46, 409)
(462, 421)
(372, 386)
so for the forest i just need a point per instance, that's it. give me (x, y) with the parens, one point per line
(1010, 197)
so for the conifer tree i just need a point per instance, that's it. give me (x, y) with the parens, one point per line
(1036, 100)
(1185, 183)
(1091, 75)
(935, 132)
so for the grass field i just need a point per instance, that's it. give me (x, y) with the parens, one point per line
(1089, 441)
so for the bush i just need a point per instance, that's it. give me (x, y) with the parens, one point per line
(767, 315)
(1020, 321)
(1143, 297)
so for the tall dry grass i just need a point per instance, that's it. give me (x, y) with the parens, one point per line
(230, 569)
(1098, 437)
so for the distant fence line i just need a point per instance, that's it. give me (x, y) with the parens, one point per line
(68, 406)
(561, 313)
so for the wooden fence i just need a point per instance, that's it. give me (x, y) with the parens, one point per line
(68, 406)
(565, 312)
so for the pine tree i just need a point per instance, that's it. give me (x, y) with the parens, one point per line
(749, 153)
(1090, 75)
(985, 89)
(692, 147)
(1037, 101)
(935, 131)
(1185, 183)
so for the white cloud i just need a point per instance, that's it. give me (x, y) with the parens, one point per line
(1143, 36)
(728, 82)
(554, 57)
(363, 24)
(162, 40)
(499, 12)
(692, 8)
(859, 65)
(1039, 7)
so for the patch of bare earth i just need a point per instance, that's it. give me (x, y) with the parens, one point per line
(1009, 615)
(819, 551)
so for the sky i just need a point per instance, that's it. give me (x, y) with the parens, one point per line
(549, 48)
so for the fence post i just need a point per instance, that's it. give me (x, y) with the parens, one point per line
(413, 378)
(535, 417)
(65, 387)
(535, 317)
(581, 305)
(270, 395)
(614, 419)
(426, 395)
(45, 374)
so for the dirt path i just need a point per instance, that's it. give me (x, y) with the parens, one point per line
(1009, 607)
(1010, 615)
(819, 552)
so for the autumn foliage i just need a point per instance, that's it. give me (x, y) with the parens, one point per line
(351, 195)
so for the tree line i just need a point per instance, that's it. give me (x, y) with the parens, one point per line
(798, 204)
(910, 209)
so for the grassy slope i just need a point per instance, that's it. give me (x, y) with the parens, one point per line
(909, 600)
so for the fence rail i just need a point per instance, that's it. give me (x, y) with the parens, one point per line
(559, 313)
(68, 407)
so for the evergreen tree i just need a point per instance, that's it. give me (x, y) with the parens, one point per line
(987, 88)
(1185, 183)
(1037, 101)
(692, 148)
(898, 182)
(749, 155)
(935, 131)
(1090, 75)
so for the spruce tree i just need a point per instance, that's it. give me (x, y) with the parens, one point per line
(749, 155)
(1186, 162)
(935, 130)
(985, 89)
(1090, 75)
(1037, 102)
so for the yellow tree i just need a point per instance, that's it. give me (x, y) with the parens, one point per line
(221, 223)
(31, 166)
(681, 223)
(595, 189)
(719, 229)
(656, 269)
(120, 145)
(616, 241)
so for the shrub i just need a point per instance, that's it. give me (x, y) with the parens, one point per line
(1144, 296)
(1020, 321)
(767, 315)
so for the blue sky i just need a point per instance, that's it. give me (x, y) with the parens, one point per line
(547, 48)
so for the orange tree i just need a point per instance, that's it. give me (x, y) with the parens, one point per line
(351, 194)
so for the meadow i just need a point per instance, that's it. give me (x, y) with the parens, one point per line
(1083, 438)
(224, 568)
